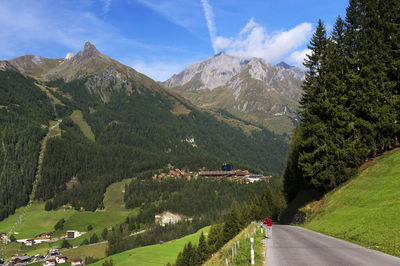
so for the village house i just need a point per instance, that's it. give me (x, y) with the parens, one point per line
(29, 242)
(45, 235)
(4, 238)
(61, 259)
(76, 261)
(72, 234)
(50, 262)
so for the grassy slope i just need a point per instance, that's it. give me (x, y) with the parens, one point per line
(96, 251)
(366, 210)
(78, 119)
(243, 253)
(36, 220)
(114, 196)
(154, 254)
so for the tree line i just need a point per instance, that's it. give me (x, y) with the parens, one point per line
(350, 108)
(270, 204)
(25, 112)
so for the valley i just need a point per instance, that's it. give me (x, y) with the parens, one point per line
(177, 137)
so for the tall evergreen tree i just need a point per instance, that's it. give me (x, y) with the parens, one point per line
(202, 249)
(232, 223)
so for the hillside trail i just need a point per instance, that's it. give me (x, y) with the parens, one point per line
(43, 145)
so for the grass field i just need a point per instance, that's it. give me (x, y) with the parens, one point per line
(114, 197)
(243, 252)
(154, 254)
(366, 210)
(36, 220)
(96, 251)
(78, 119)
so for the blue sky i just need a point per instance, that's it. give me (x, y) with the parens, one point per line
(160, 37)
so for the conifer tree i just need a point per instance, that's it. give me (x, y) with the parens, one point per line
(202, 249)
(232, 223)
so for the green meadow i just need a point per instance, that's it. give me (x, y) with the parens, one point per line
(78, 119)
(366, 210)
(159, 254)
(30, 221)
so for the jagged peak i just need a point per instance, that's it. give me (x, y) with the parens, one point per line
(284, 65)
(90, 50)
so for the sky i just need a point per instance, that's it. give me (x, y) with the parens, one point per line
(161, 37)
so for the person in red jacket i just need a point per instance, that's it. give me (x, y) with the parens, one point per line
(269, 228)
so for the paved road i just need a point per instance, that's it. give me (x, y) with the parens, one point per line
(292, 245)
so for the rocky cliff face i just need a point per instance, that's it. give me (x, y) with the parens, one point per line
(251, 89)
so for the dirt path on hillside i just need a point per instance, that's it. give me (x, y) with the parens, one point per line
(43, 145)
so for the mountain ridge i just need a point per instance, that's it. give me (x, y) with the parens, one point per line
(250, 89)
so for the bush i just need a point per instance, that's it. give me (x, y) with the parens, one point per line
(66, 244)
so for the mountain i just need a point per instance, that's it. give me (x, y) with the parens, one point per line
(250, 89)
(102, 72)
(70, 127)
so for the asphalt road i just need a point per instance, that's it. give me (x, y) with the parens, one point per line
(292, 245)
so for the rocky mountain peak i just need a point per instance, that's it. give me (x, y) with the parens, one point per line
(89, 50)
(284, 65)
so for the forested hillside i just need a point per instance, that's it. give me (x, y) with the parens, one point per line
(351, 106)
(138, 128)
(25, 112)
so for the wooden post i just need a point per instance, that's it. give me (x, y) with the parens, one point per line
(252, 251)
(238, 244)
(226, 262)
(235, 250)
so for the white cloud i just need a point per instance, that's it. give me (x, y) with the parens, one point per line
(254, 41)
(106, 7)
(297, 57)
(184, 13)
(209, 14)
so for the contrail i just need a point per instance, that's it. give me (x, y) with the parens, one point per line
(208, 12)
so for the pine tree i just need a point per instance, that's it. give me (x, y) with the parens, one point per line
(232, 223)
(66, 244)
(202, 249)
(104, 234)
(94, 239)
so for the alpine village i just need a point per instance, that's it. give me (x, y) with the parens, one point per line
(233, 160)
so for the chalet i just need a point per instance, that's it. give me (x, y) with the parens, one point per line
(76, 261)
(61, 259)
(45, 235)
(72, 234)
(50, 262)
(29, 242)
(4, 238)
(216, 173)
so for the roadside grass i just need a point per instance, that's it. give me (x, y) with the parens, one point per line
(78, 119)
(365, 210)
(155, 254)
(243, 252)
